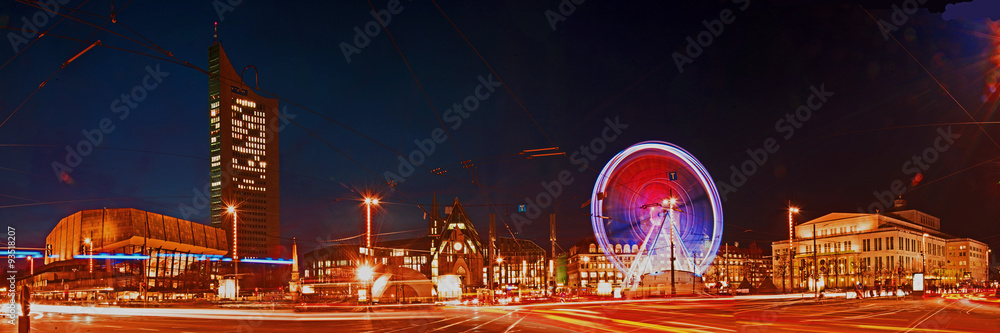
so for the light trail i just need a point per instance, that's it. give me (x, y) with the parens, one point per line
(228, 314)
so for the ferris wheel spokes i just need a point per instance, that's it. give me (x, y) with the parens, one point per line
(648, 172)
(640, 266)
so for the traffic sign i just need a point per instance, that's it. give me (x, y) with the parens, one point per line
(672, 175)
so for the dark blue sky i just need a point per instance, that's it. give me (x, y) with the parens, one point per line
(604, 61)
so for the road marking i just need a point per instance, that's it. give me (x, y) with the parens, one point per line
(515, 324)
(444, 327)
(494, 319)
(927, 317)
(838, 311)
(425, 324)
(970, 310)
(579, 310)
(858, 316)
(789, 303)
(695, 325)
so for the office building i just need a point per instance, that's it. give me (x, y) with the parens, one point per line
(244, 160)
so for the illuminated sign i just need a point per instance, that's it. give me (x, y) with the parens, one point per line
(238, 91)
(918, 282)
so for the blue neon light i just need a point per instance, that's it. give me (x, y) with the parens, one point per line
(192, 255)
(20, 256)
(269, 261)
(35, 254)
(118, 256)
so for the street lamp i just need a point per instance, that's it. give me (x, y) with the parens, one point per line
(988, 252)
(673, 257)
(365, 274)
(791, 247)
(368, 229)
(923, 257)
(90, 254)
(236, 258)
(369, 201)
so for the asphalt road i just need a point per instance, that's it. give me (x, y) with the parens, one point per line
(742, 314)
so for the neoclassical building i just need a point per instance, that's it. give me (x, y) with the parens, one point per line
(839, 249)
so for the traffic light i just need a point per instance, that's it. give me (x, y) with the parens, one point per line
(48, 250)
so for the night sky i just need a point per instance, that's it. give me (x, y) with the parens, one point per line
(603, 62)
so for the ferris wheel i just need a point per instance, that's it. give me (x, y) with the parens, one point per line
(655, 208)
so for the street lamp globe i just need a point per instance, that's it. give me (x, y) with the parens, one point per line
(365, 273)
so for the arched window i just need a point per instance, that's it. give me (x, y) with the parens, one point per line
(593, 248)
(635, 248)
(618, 248)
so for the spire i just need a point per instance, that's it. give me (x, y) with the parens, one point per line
(295, 285)
(215, 35)
(295, 260)
(434, 206)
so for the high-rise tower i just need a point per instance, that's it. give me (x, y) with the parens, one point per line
(244, 157)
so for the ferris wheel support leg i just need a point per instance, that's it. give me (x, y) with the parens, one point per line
(638, 266)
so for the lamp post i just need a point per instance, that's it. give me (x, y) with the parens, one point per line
(673, 257)
(586, 261)
(815, 273)
(369, 201)
(368, 226)
(365, 274)
(90, 259)
(90, 255)
(923, 256)
(499, 272)
(791, 246)
(236, 258)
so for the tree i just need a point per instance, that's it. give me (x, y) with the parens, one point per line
(781, 267)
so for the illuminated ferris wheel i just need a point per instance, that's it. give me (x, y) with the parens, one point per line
(654, 199)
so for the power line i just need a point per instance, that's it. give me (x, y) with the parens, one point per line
(38, 38)
(945, 89)
(153, 46)
(434, 109)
